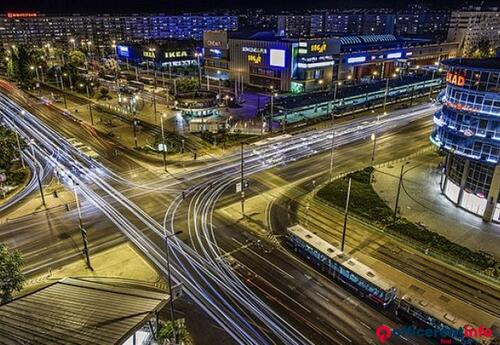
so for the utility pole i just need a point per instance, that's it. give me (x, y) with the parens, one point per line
(164, 148)
(332, 149)
(242, 184)
(374, 138)
(37, 173)
(135, 131)
(345, 215)
(20, 150)
(82, 228)
(386, 92)
(398, 192)
(171, 302)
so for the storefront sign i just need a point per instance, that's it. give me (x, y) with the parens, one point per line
(213, 43)
(149, 54)
(356, 59)
(455, 79)
(254, 58)
(318, 47)
(21, 14)
(394, 55)
(254, 50)
(123, 51)
(176, 54)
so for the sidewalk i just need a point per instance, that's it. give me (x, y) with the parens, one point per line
(122, 262)
(421, 201)
(33, 203)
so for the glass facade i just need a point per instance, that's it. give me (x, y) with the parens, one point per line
(468, 128)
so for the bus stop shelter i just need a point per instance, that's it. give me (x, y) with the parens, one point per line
(78, 311)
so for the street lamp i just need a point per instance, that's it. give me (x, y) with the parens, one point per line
(198, 55)
(167, 248)
(72, 41)
(164, 147)
(273, 94)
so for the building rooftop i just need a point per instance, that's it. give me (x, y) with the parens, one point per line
(74, 311)
(486, 64)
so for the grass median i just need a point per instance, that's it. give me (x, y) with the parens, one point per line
(366, 203)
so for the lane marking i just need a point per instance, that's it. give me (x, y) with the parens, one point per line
(343, 336)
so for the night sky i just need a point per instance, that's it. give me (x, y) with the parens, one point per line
(174, 6)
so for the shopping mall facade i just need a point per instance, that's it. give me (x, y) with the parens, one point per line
(263, 59)
(467, 128)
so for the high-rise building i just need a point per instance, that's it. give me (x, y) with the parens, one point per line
(467, 128)
(378, 23)
(422, 21)
(102, 30)
(344, 23)
(471, 25)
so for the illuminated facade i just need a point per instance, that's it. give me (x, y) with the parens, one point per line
(468, 129)
(103, 29)
(266, 61)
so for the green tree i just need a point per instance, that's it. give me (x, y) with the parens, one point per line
(181, 332)
(11, 278)
(76, 58)
(8, 148)
(22, 60)
(186, 85)
(483, 49)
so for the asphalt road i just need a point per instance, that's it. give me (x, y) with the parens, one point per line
(335, 315)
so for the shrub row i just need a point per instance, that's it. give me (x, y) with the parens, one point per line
(364, 201)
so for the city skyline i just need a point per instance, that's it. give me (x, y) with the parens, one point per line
(178, 7)
(307, 174)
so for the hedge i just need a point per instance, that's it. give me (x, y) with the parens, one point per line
(365, 202)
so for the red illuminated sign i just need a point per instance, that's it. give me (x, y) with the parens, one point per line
(455, 79)
(21, 14)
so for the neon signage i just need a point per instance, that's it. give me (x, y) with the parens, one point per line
(212, 43)
(318, 47)
(257, 59)
(254, 50)
(176, 54)
(149, 54)
(356, 59)
(455, 79)
(394, 55)
(123, 51)
(21, 14)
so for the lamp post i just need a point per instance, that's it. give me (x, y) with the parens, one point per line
(169, 279)
(72, 41)
(396, 205)
(90, 103)
(242, 167)
(346, 211)
(37, 173)
(164, 147)
(198, 55)
(332, 149)
(82, 228)
(271, 115)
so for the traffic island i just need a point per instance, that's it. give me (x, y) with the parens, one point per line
(366, 204)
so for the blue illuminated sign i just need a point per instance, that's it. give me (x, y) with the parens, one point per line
(397, 55)
(356, 59)
(123, 51)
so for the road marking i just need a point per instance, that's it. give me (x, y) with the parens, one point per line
(344, 336)
(269, 262)
(324, 297)
(364, 324)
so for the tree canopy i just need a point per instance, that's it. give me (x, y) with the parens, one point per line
(8, 147)
(11, 277)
